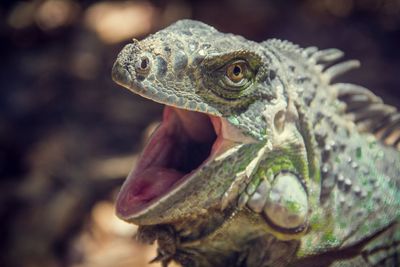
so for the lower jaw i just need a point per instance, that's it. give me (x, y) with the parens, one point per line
(133, 199)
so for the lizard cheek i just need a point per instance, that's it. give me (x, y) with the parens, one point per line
(287, 203)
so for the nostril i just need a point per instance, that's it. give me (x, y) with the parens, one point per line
(143, 65)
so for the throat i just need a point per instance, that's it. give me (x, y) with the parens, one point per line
(192, 138)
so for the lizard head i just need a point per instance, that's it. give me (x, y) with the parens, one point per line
(214, 87)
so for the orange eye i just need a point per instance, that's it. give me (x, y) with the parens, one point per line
(235, 72)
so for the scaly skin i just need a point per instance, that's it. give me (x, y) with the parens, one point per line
(302, 180)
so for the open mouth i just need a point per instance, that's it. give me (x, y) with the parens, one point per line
(184, 141)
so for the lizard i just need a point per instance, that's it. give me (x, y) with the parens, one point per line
(261, 158)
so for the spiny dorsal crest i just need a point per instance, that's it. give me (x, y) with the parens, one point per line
(362, 106)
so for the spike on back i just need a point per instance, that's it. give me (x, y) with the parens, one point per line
(362, 106)
(370, 113)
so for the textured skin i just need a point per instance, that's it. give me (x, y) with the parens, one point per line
(305, 140)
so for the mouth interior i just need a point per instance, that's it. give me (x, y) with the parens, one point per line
(183, 142)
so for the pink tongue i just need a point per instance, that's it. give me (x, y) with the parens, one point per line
(144, 187)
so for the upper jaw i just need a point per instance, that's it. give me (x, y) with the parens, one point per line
(149, 85)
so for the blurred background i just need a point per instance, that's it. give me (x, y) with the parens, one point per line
(69, 135)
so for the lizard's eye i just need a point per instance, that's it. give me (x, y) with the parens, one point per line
(230, 79)
(238, 75)
(236, 71)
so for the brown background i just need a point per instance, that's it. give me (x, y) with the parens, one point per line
(68, 134)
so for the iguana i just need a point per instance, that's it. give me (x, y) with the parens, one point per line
(260, 159)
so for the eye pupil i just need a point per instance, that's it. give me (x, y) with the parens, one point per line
(237, 70)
